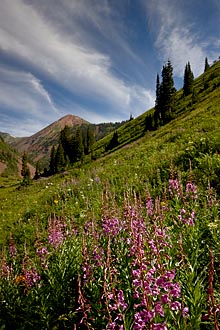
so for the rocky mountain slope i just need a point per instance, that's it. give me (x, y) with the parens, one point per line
(39, 144)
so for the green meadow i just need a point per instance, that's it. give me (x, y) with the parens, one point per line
(129, 239)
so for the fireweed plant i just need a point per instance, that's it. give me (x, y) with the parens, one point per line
(152, 264)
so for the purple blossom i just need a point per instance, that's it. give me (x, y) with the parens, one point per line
(121, 301)
(112, 326)
(174, 187)
(175, 291)
(170, 274)
(175, 306)
(186, 217)
(153, 246)
(149, 206)
(98, 254)
(191, 190)
(117, 302)
(143, 317)
(185, 312)
(165, 299)
(153, 284)
(32, 276)
(42, 252)
(159, 326)
(159, 309)
(111, 226)
(56, 232)
(147, 315)
(12, 249)
(5, 269)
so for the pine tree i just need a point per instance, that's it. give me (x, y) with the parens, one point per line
(188, 80)
(59, 159)
(37, 171)
(65, 140)
(164, 96)
(90, 139)
(158, 88)
(25, 172)
(158, 106)
(206, 65)
(52, 169)
(149, 123)
(78, 147)
(131, 117)
(113, 143)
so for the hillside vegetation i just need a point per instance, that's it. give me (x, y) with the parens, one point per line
(8, 161)
(38, 146)
(11, 165)
(127, 241)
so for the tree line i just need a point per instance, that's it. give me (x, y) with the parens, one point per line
(71, 148)
(165, 95)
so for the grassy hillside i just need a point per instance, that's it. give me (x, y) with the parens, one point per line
(206, 94)
(8, 161)
(10, 166)
(129, 241)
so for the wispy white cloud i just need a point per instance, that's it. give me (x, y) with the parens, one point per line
(59, 46)
(25, 104)
(20, 126)
(24, 92)
(177, 37)
(78, 68)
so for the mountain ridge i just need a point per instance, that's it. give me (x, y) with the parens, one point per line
(40, 143)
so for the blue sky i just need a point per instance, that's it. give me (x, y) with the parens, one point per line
(96, 59)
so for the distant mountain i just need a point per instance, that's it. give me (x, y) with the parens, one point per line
(39, 144)
(8, 138)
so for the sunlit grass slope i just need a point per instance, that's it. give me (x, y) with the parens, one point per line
(9, 162)
(128, 241)
(191, 140)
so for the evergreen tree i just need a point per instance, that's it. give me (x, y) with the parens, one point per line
(78, 147)
(149, 123)
(25, 172)
(113, 142)
(158, 105)
(84, 140)
(131, 117)
(164, 96)
(52, 169)
(59, 159)
(65, 140)
(158, 88)
(167, 89)
(206, 65)
(188, 80)
(37, 171)
(90, 139)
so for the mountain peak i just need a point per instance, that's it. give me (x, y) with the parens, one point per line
(39, 144)
(71, 120)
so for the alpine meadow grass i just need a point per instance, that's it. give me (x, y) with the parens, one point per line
(127, 240)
